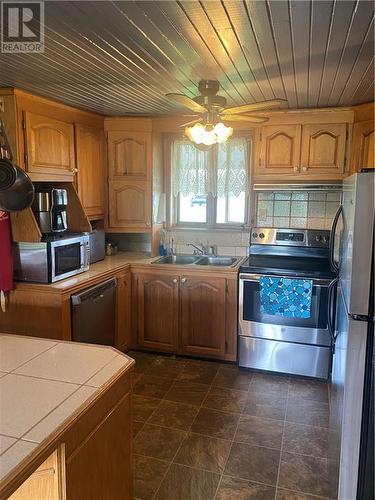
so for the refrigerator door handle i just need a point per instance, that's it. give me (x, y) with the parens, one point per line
(334, 266)
(331, 310)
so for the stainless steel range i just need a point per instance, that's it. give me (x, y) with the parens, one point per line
(286, 302)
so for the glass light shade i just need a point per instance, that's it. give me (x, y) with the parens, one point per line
(208, 134)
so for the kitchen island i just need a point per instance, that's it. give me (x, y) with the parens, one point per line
(65, 420)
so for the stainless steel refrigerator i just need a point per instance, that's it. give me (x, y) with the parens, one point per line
(352, 389)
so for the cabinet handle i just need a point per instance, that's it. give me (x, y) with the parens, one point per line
(175, 280)
(74, 170)
(183, 280)
(296, 169)
(304, 169)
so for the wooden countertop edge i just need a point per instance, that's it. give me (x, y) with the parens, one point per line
(132, 265)
(13, 480)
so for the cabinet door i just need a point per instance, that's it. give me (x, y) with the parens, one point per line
(157, 310)
(49, 148)
(90, 166)
(123, 307)
(101, 466)
(203, 316)
(363, 146)
(129, 155)
(129, 205)
(279, 150)
(323, 149)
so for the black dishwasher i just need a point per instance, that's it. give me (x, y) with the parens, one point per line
(94, 314)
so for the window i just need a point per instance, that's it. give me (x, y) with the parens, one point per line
(209, 188)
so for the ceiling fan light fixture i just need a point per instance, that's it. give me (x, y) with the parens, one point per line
(208, 134)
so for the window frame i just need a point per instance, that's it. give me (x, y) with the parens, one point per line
(172, 209)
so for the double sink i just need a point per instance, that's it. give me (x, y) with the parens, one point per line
(198, 260)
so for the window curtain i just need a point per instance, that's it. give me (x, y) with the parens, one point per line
(220, 171)
(189, 169)
(232, 167)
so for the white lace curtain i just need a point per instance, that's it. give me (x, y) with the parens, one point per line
(220, 171)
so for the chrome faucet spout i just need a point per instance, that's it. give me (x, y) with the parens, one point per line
(201, 250)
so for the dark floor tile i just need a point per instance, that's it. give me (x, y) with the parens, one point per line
(166, 366)
(265, 383)
(148, 474)
(253, 463)
(142, 360)
(185, 483)
(293, 495)
(215, 423)
(306, 440)
(307, 412)
(153, 386)
(309, 389)
(259, 431)
(311, 475)
(199, 372)
(232, 378)
(187, 392)
(158, 442)
(232, 488)
(137, 426)
(143, 407)
(266, 405)
(203, 452)
(176, 415)
(221, 398)
(135, 377)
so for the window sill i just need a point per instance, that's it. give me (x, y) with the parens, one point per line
(219, 229)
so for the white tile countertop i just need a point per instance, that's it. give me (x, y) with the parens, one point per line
(42, 384)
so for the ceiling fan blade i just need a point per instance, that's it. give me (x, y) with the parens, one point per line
(255, 106)
(243, 118)
(187, 102)
(191, 123)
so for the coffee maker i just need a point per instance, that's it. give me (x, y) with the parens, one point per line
(49, 207)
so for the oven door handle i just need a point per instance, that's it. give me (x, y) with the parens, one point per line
(255, 279)
(331, 310)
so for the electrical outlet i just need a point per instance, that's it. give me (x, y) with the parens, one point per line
(262, 214)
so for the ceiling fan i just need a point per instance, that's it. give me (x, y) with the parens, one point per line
(213, 112)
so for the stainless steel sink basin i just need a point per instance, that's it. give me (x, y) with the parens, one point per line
(216, 261)
(177, 259)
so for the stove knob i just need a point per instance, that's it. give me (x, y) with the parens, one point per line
(325, 239)
(318, 238)
(255, 235)
(261, 235)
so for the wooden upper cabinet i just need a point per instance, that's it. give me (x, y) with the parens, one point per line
(129, 154)
(129, 205)
(90, 169)
(203, 315)
(323, 149)
(279, 149)
(49, 148)
(363, 146)
(157, 311)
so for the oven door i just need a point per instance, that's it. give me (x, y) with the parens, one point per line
(313, 330)
(69, 257)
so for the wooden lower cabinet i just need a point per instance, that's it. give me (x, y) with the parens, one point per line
(101, 466)
(188, 314)
(157, 311)
(123, 311)
(202, 316)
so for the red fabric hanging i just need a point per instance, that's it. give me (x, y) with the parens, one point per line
(6, 260)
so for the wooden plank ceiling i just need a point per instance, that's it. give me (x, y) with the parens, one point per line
(121, 57)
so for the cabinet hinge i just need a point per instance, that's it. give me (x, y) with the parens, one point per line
(26, 159)
(226, 346)
(226, 288)
(23, 124)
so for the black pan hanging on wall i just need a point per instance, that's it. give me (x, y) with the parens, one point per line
(16, 188)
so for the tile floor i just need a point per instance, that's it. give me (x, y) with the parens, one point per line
(205, 430)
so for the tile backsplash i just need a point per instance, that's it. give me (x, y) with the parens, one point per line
(296, 209)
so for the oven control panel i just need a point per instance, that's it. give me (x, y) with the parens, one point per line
(290, 237)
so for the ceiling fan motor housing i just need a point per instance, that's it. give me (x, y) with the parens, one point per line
(209, 99)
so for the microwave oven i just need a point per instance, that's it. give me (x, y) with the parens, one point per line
(51, 260)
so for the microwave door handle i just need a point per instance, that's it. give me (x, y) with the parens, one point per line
(86, 254)
(334, 266)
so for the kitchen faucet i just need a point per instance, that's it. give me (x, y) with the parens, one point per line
(203, 250)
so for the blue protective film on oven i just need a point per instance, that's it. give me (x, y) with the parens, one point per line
(285, 297)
